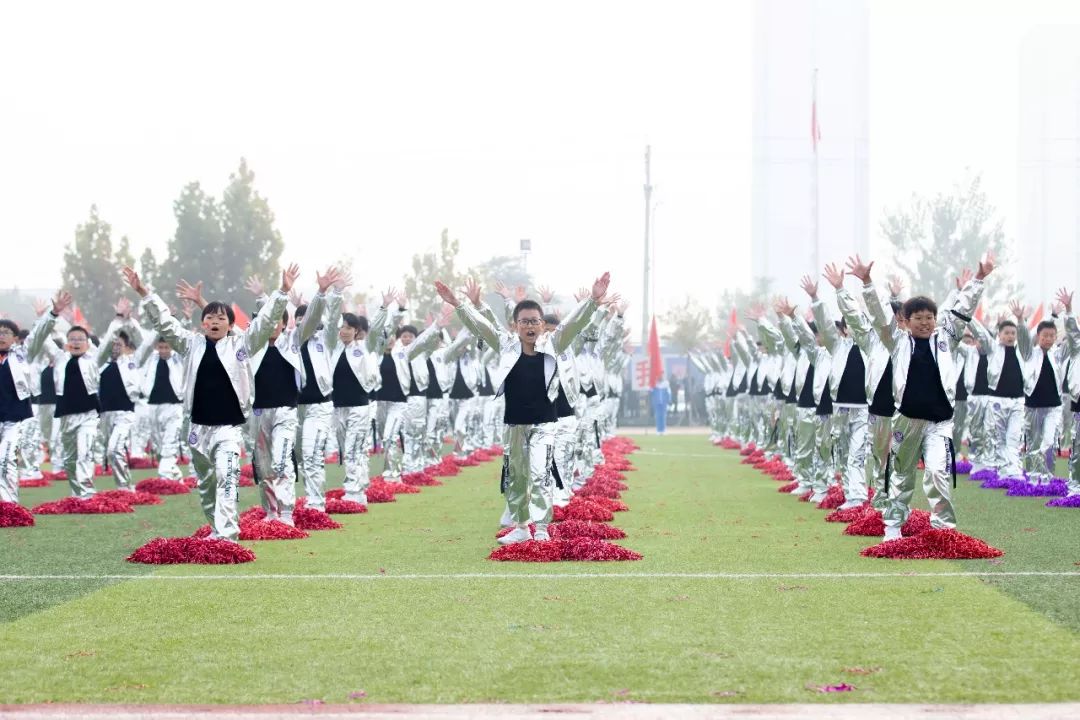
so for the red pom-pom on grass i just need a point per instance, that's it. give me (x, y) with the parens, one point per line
(834, 498)
(307, 518)
(187, 550)
(849, 515)
(247, 471)
(394, 488)
(581, 508)
(805, 497)
(600, 489)
(191, 481)
(750, 449)
(335, 506)
(467, 461)
(246, 482)
(729, 444)
(132, 497)
(15, 515)
(594, 550)
(141, 463)
(252, 529)
(378, 494)
(529, 551)
(100, 471)
(420, 479)
(609, 503)
(788, 488)
(871, 524)
(532, 529)
(35, 482)
(583, 528)
(94, 505)
(162, 486)
(934, 544)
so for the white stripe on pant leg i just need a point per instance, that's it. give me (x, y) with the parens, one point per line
(274, 433)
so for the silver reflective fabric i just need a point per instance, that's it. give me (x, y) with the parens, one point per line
(527, 467)
(353, 425)
(1005, 417)
(880, 429)
(852, 439)
(1043, 426)
(313, 421)
(117, 426)
(274, 437)
(10, 439)
(166, 422)
(913, 439)
(982, 448)
(77, 435)
(1074, 457)
(415, 427)
(215, 458)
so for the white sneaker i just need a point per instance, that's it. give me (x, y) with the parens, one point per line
(892, 533)
(817, 497)
(541, 533)
(516, 535)
(799, 490)
(851, 504)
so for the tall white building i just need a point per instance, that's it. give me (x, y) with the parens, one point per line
(792, 38)
(1048, 223)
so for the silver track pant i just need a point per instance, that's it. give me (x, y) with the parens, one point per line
(140, 436)
(527, 473)
(394, 439)
(1005, 417)
(274, 436)
(166, 422)
(415, 432)
(11, 434)
(466, 418)
(853, 425)
(1043, 427)
(314, 425)
(877, 464)
(438, 425)
(77, 435)
(1074, 456)
(813, 450)
(353, 426)
(960, 425)
(30, 453)
(982, 448)
(565, 437)
(215, 458)
(117, 426)
(913, 439)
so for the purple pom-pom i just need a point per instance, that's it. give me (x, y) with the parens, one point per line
(1021, 488)
(1070, 501)
(963, 467)
(985, 474)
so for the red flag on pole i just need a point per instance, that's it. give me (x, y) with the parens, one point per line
(656, 360)
(78, 318)
(1037, 317)
(815, 129)
(242, 320)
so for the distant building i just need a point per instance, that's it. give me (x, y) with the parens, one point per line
(792, 38)
(1048, 202)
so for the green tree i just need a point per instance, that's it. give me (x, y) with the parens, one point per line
(740, 301)
(222, 243)
(427, 267)
(933, 238)
(91, 271)
(148, 268)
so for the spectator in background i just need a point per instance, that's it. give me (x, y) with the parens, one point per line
(661, 398)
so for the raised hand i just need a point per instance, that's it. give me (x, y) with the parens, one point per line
(783, 307)
(986, 265)
(581, 294)
(344, 279)
(327, 280)
(756, 312)
(296, 298)
(1018, 310)
(188, 308)
(388, 296)
(1065, 298)
(519, 293)
(546, 294)
(402, 300)
(809, 287)
(254, 286)
(61, 302)
(859, 269)
(288, 277)
(132, 279)
(444, 316)
(600, 286)
(40, 306)
(446, 294)
(964, 278)
(187, 291)
(472, 291)
(834, 275)
(502, 290)
(123, 307)
(896, 286)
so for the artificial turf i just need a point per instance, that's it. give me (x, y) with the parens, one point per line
(527, 636)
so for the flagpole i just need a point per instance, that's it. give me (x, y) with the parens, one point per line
(815, 196)
(645, 292)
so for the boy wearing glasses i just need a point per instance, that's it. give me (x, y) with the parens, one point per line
(527, 375)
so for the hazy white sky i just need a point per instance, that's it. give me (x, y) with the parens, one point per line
(371, 126)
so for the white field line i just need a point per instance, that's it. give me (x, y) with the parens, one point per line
(554, 576)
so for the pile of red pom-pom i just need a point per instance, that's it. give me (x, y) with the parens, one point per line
(35, 482)
(582, 549)
(15, 515)
(335, 506)
(871, 524)
(252, 529)
(834, 498)
(184, 550)
(934, 544)
(162, 486)
(132, 497)
(419, 479)
(93, 505)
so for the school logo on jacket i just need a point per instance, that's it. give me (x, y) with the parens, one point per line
(131, 366)
(898, 437)
(942, 346)
(356, 352)
(318, 347)
(193, 438)
(241, 355)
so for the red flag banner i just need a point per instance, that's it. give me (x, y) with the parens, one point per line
(242, 320)
(1037, 317)
(815, 128)
(979, 313)
(78, 318)
(656, 360)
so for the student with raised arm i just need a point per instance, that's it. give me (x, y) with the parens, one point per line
(527, 375)
(16, 387)
(77, 376)
(924, 387)
(219, 393)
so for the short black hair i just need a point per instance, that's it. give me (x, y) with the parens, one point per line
(23, 334)
(123, 337)
(356, 323)
(919, 303)
(10, 325)
(841, 324)
(301, 310)
(527, 305)
(1046, 325)
(362, 319)
(551, 319)
(285, 316)
(813, 326)
(406, 329)
(1006, 323)
(160, 339)
(219, 308)
(79, 328)
(897, 307)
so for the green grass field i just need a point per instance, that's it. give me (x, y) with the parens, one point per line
(772, 600)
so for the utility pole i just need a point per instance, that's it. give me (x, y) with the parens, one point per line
(645, 315)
